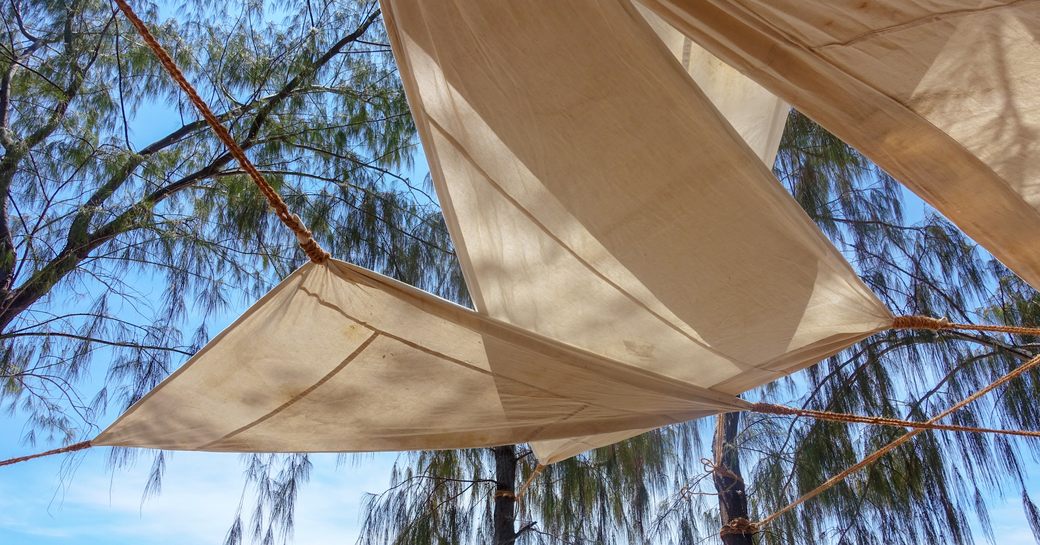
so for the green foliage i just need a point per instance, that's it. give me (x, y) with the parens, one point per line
(930, 489)
(90, 213)
(605, 496)
(115, 236)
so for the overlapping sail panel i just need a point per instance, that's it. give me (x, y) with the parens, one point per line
(757, 115)
(596, 196)
(340, 359)
(940, 93)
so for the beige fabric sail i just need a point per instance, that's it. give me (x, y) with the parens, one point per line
(340, 359)
(757, 115)
(940, 93)
(596, 196)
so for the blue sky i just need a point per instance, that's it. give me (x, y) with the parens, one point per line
(83, 500)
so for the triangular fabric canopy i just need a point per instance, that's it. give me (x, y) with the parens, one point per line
(941, 94)
(633, 261)
(597, 196)
(337, 358)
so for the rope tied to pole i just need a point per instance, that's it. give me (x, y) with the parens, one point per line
(739, 526)
(305, 238)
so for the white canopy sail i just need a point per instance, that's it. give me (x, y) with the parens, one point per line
(596, 196)
(340, 359)
(633, 261)
(941, 94)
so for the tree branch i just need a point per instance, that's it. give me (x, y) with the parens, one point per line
(310, 70)
(106, 342)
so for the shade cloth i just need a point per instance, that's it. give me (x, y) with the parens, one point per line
(633, 261)
(337, 359)
(940, 93)
(597, 196)
(757, 115)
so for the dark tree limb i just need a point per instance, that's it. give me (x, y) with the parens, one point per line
(505, 495)
(729, 482)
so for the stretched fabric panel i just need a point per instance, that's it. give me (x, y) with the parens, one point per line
(940, 93)
(757, 115)
(340, 359)
(596, 196)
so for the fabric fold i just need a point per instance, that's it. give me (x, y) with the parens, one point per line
(596, 195)
(941, 94)
(340, 359)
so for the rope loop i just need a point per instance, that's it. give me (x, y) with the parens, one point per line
(921, 322)
(739, 526)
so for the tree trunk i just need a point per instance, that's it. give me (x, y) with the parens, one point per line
(729, 483)
(505, 495)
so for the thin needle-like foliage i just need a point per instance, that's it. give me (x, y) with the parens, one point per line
(119, 242)
(657, 488)
(126, 229)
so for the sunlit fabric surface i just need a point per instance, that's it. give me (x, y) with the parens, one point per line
(941, 93)
(633, 261)
(757, 115)
(597, 196)
(340, 359)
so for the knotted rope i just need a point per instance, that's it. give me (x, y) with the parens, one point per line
(738, 526)
(292, 221)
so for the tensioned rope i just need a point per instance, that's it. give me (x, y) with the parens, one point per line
(538, 469)
(784, 410)
(315, 252)
(69, 448)
(522, 491)
(897, 442)
(744, 526)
